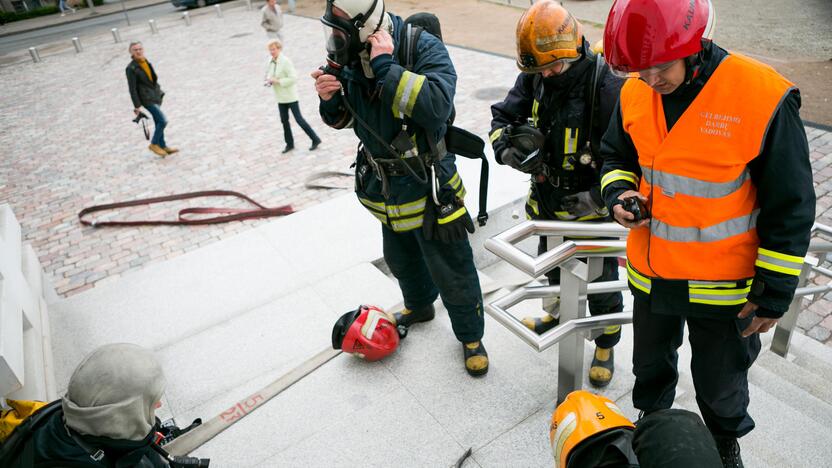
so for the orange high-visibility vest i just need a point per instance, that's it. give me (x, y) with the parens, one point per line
(702, 200)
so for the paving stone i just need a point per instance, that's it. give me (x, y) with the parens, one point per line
(808, 319)
(819, 333)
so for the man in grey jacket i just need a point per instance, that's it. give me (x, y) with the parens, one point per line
(272, 19)
(146, 92)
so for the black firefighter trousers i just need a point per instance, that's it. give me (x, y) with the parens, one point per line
(720, 361)
(426, 269)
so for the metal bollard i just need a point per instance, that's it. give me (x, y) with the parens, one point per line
(33, 51)
(248, 5)
(153, 28)
(116, 35)
(77, 43)
(187, 18)
(219, 10)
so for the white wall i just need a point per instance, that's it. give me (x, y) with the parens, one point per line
(25, 346)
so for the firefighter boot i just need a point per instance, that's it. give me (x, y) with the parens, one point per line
(544, 323)
(602, 368)
(476, 358)
(729, 451)
(406, 317)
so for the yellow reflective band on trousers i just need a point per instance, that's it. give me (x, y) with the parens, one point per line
(406, 209)
(495, 134)
(400, 218)
(779, 262)
(406, 93)
(612, 329)
(672, 184)
(638, 280)
(618, 174)
(407, 224)
(720, 293)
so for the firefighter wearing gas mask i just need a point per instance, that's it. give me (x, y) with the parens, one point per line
(405, 177)
(550, 126)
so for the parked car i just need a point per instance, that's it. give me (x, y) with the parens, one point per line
(193, 3)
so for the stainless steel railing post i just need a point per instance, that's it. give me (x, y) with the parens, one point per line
(573, 281)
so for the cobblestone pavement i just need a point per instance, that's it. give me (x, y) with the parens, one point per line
(68, 141)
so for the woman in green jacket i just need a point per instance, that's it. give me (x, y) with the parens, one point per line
(281, 76)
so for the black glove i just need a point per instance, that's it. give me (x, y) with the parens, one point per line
(530, 164)
(437, 224)
(585, 203)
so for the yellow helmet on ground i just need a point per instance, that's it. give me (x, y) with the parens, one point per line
(581, 417)
(547, 34)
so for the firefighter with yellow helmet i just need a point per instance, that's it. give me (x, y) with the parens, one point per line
(550, 126)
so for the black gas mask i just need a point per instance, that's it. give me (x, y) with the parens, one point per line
(343, 41)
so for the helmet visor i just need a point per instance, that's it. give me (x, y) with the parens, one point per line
(528, 64)
(337, 43)
(626, 72)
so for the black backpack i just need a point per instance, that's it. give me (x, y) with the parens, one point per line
(15, 450)
(458, 141)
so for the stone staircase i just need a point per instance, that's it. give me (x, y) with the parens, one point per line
(228, 319)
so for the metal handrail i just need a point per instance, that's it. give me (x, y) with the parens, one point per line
(576, 285)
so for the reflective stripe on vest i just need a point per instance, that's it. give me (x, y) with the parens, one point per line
(703, 202)
(717, 232)
(672, 184)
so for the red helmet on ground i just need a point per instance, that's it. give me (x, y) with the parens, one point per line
(642, 34)
(368, 332)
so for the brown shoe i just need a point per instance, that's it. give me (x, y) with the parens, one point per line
(158, 150)
(170, 150)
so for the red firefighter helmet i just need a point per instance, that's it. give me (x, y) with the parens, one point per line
(642, 34)
(368, 332)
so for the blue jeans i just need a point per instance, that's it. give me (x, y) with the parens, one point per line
(159, 122)
(427, 268)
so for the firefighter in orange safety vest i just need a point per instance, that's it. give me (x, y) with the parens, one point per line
(707, 146)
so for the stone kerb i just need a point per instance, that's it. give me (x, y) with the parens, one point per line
(26, 370)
